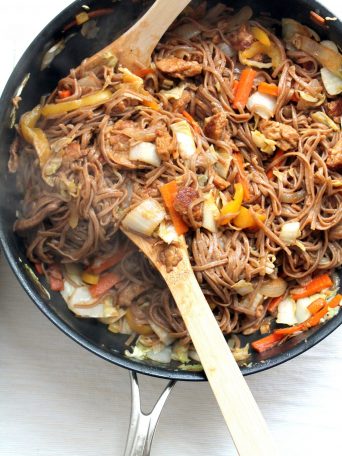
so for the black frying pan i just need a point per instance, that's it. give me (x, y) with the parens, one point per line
(90, 334)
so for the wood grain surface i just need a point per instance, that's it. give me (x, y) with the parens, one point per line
(56, 399)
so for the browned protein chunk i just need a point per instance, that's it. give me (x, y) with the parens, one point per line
(179, 68)
(163, 144)
(131, 292)
(334, 109)
(184, 197)
(241, 39)
(170, 257)
(122, 124)
(334, 159)
(181, 104)
(220, 183)
(285, 136)
(124, 105)
(214, 126)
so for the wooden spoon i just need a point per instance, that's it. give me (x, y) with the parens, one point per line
(134, 48)
(241, 413)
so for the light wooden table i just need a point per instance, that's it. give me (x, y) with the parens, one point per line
(56, 399)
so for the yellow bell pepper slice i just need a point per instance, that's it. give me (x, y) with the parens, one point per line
(246, 56)
(232, 208)
(93, 99)
(89, 278)
(144, 330)
(35, 136)
(261, 36)
(246, 220)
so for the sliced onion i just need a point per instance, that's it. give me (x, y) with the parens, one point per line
(241, 17)
(286, 312)
(273, 288)
(162, 356)
(81, 297)
(289, 232)
(223, 163)
(68, 290)
(167, 232)
(214, 12)
(81, 303)
(332, 83)
(187, 31)
(290, 27)
(242, 287)
(325, 56)
(145, 218)
(293, 197)
(210, 214)
(227, 49)
(302, 304)
(145, 152)
(175, 93)
(258, 299)
(185, 140)
(262, 104)
(321, 117)
(330, 44)
(163, 335)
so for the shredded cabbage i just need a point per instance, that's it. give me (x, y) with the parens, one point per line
(185, 140)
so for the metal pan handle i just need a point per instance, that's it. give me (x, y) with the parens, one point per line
(142, 425)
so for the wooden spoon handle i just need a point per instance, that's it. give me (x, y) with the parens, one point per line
(134, 48)
(240, 411)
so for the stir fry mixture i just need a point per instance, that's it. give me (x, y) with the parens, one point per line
(231, 138)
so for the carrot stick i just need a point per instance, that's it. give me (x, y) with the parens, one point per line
(239, 162)
(168, 193)
(317, 284)
(39, 268)
(106, 263)
(142, 72)
(235, 86)
(290, 330)
(318, 309)
(273, 305)
(317, 18)
(55, 276)
(105, 283)
(244, 88)
(268, 89)
(64, 93)
(267, 342)
(191, 121)
(95, 13)
(274, 163)
(312, 321)
(316, 305)
(56, 284)
(336, 301)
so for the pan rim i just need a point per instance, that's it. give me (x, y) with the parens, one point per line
(121, 361)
